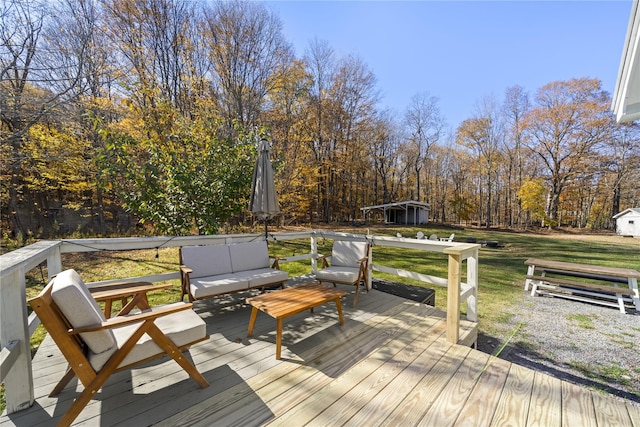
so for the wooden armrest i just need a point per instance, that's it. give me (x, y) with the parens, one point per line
(116, 322)
(185, 269)
(115, 285)
(361, 260)
(108, 292)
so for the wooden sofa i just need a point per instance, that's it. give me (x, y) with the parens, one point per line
(209, 271)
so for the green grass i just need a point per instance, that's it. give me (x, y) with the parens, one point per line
(607, 374)
(583, 321)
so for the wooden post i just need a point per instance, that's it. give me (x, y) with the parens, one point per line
(314, 254)
(369, 283)
(453, 298)
(472, 281)
(18, 380)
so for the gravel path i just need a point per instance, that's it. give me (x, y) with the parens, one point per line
(586, 344)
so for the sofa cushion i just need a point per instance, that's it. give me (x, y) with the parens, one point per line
(207, 261)
(339, 274)
(76, 303)
(249, 256)
(214, 285)
(263, 276)
(181, 328)
(345, 253)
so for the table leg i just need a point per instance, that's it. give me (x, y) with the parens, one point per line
(339, 307)
(278, 338)
(252, 321)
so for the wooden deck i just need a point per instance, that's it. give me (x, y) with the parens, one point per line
(390, 364)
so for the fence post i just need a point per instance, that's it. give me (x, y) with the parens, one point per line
(472, 280)
(453, 298)
(314, 254)
(18, 381)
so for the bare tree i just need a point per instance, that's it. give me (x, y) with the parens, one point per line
(425, 125)
(247, 48)
(516, 106)
(321, 65)
(484, 134)
(622, 159)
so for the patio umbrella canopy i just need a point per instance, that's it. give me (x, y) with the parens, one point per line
(264, 199)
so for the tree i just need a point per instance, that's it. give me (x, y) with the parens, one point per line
(246, 48)
(425, 125)
(191, 182)
(516, 106)
(531, 195)
(483, 134)
(384, 143)
(36, 82)
(622, 160)
(569, 120)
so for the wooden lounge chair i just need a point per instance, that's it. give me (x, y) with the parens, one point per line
(349, 265)
(95, 347)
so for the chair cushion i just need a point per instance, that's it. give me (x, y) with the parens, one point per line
(338, 274)
(345, 253)
(207, 261)
(249, 256)
(76, 303)
(181, 328)
(263, 276)
(214, 285)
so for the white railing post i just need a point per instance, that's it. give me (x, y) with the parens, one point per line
(453, 297)
(54, 262)
(18, 379)
(472, 281)
(314, 254)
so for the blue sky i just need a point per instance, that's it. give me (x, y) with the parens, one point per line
(462, 51)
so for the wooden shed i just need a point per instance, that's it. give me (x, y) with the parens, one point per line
(407, 212)
(628, 222)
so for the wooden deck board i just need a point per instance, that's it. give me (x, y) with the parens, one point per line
(513, 405)
(389, 364)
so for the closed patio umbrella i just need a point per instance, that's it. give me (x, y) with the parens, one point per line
(264, 199)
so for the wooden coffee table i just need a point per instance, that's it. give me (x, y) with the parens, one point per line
(287, 302)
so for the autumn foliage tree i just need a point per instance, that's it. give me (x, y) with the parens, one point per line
(568, 123)
(120, 112)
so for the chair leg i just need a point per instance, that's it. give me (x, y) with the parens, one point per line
(68, 376)
(174, 352)
(355, 299)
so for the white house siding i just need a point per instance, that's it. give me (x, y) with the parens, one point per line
(628, 222)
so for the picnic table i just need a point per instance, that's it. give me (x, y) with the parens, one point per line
(591, 283)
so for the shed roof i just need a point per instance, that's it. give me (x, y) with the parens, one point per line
(398, 206)
(626, 97)
(627, 211)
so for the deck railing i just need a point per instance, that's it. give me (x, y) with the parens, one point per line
(16, 326)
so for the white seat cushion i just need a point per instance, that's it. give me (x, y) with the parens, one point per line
(206, 261)
(76, 303)
(223, 283)
(249, 256)
(181, 328)
(338, 274)
(348, 254)
(263, 276)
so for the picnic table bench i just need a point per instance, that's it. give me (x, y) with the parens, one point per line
(602, 284)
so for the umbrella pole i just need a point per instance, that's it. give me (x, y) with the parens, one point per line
(266, 225)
